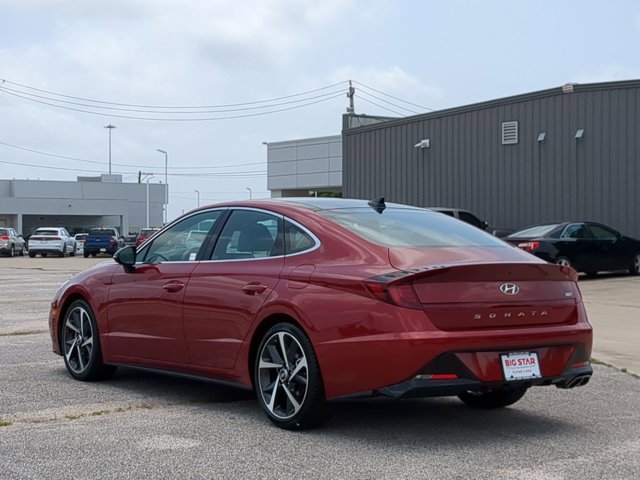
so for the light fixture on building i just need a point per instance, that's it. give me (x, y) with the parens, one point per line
(579, 133)
(542, 136)
(424, 143)
(568, 88)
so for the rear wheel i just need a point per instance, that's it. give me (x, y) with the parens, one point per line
(634, 268)
(22, 251)
(32, 255)
(287, 379)
(12, 251)
(563, 261)
(81, 344)
(493, 398)
(63, 253)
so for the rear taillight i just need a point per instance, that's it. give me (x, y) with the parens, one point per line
(529, 246)
(53, 238)
(113, 241)
(4, 237)
(401, 294)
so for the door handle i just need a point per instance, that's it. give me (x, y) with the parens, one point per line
(254, 288)
(173, 286)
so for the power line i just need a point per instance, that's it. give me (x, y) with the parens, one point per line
(125, 164)
(387, 101)
(391, 96)
(382, 106)
(229, 117)
(183, 112)
(172, 107)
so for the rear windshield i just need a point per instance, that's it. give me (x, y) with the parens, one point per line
(534, 232)
(45, 232)
(396, 227)
(4, 231)
(102, 232)
(147, 232)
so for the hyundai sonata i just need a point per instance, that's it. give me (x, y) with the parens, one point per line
(314, 299)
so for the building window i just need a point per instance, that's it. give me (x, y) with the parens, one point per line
(509, 133)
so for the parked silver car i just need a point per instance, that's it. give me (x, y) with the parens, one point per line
(10, 242)
(54, 240)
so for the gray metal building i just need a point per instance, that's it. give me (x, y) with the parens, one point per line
(566, 153)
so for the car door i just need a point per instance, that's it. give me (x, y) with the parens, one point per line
(611, 252)
(145, 304)
(227, 290)
(579, 246)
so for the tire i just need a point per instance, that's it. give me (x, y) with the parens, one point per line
(634, 268)
(85, 255)
(63, 253)
(12, 251)
(43, 255)
(22, 251)
(592, 274)
(32, 255)
(80, 342)
(493, 398)
(287, 379)
(564, 261)
(94, 255)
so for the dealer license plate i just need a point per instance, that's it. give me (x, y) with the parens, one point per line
(103, 249)
(520, 366)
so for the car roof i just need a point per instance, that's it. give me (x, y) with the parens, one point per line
(311, 203)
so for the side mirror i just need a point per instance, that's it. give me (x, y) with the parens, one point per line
(126, 257)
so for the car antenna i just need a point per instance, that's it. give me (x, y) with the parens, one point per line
(377, 204)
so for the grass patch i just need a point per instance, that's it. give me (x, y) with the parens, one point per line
(73, 417)
(22, 332)
(5, 423)
(99, 412)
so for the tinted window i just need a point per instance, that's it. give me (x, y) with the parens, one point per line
(471, 219)
(575, 230)
(181, 242)
(602, 233)
(45, 232)
(296, 239)
(534, 232)
(397, 227)
(248, 234)
(102, 232)
(3, 231)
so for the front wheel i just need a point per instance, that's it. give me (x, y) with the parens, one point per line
(634, 268)
(493, 398)
(287, 380)
(81, 344)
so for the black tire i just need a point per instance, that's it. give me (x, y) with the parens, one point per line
(634, 268)
(286, 370)
(12, 251)
(94, 255)
(592, 274)
(85, 255)
(22, 251)
(43, 254)
(80, 344)
(32, 255)
(493, 398)
(563, 261)
(72, 253)
(63, 253)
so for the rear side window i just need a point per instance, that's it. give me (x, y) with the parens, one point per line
(296, 239)
(396, 227)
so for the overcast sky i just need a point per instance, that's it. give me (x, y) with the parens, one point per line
(163, 53)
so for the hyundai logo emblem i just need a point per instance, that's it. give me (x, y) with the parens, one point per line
(509, 288)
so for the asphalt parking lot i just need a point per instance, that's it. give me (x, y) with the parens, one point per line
(142, 425)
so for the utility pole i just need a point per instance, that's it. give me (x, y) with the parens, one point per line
(148, 176)
(110, 127)
(198, 193)
(351, 94)
(250, 193)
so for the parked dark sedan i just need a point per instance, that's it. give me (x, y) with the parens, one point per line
(588, 247)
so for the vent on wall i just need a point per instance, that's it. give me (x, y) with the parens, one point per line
(509, 133)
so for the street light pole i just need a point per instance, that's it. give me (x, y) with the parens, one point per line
(110, 127)
(197, 192)
(250, 193)
(149, 175)
(166, 184)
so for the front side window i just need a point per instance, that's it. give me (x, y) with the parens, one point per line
(182, 241)
(249, 234)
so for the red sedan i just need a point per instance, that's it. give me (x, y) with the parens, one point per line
(309, 300)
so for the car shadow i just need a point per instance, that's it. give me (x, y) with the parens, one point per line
(604, 275)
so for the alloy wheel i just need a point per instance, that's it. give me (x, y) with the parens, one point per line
(563, 261)
(78, 339)
(283, 375)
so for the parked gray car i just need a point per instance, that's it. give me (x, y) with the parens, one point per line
(10, 242)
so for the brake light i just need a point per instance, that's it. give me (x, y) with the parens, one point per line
(112, 241)
(4, 237)
(402, 294)
(529, 246)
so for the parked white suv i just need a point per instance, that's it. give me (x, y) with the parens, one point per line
(54, 240)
